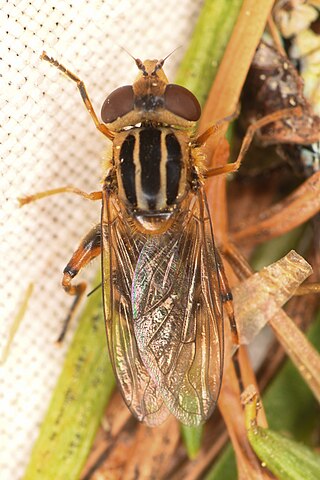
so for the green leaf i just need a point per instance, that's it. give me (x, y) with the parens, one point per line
(78, 401)
(192, 438)
(285, 458)
(207, 45)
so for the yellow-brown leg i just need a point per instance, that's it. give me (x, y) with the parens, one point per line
(272, 117)
(83, 92)
(89, 248)
(216, 128)
(307, 289)
(68, 189)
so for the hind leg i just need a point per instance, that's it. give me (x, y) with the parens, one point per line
(89, 248)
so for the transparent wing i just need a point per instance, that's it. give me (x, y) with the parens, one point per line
(121, 247)
(177, 313)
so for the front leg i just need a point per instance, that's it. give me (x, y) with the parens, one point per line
(89, 248)
(253, 128)
(55, 191)
(83, 92)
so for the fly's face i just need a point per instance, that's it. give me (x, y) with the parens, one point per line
(151, 147)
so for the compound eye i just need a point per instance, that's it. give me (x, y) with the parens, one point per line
(182, 102)
(117, 104)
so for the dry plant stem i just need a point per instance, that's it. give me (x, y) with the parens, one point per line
(302, 311)
(217, 196)
(195, 469)
(301, 352)
(141, 452)
(299, 349)
(239, 264)
(308, 288)
(236, 61)
(116, 417)
(152, 449)
(294, 210)
(259, 298)
(248, 465)
(224, 97)
(115, 464)
(223, 100)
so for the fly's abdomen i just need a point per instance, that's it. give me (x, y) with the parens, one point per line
(151, 165)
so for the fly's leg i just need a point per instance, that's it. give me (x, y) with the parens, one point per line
(274, 32)
(83, 92)
(89, 248)
(216, 128)
(68, 189)
(228, 305)
(233, 167)
(308, 288)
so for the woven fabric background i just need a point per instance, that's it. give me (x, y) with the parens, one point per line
(48, 140)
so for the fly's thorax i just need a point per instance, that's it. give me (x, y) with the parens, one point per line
(152, 166)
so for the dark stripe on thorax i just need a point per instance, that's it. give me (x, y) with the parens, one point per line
(150, 158)
(173, 167)
(128, 169)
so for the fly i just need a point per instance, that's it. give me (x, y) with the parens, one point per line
(161, 269)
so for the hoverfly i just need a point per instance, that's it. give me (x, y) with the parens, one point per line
(161, 270)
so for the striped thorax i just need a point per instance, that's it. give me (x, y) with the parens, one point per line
(152, 163)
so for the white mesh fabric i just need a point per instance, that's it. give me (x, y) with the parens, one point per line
(48, 140)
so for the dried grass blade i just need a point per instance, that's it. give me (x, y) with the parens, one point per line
(294, 210)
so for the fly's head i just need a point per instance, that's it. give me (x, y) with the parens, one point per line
(151, 99)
